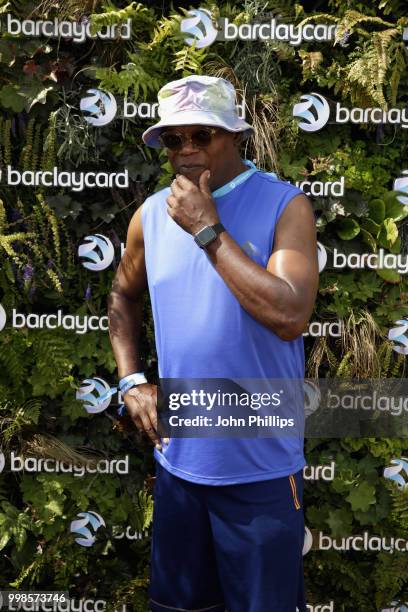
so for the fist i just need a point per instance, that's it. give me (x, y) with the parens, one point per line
(192, 206)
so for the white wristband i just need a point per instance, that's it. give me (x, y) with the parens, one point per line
(137, 378)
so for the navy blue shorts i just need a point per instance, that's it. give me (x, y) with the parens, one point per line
(235, 548)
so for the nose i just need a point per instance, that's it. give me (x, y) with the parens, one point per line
(188, 147)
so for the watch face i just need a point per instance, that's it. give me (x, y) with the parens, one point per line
(206, 235)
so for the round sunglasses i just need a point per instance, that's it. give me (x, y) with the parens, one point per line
(200, 138)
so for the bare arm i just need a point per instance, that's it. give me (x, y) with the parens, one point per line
(125, 307)
(125, 301)
(282, 296)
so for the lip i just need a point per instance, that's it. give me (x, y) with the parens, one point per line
(190, 167)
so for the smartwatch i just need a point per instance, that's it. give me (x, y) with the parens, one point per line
(208, 234)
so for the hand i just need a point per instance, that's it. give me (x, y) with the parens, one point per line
(141, 403)
(192, 207)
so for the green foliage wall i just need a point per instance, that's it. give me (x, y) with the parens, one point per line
(41, 83)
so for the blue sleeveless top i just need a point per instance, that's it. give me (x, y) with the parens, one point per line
(202, 331)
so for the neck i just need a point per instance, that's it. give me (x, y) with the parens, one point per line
(237, 168)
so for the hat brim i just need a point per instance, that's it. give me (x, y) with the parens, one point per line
(197, 117)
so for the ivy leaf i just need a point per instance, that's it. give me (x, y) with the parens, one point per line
(340, 522)
(361, 497)
(10, 97)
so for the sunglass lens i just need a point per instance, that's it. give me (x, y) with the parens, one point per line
(171, 141)
(201, 138)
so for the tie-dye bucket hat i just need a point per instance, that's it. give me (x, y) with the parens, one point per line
(202, 100)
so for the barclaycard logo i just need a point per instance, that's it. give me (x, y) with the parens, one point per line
(3, 317)
(396, 608)
(312, 397)
(314, 112)
(2, 464)
(319, 472)
(318, 329)
(99, 107)
(80, 324)
(96, 252)
(308, 541)
(77, 31)
(401, 186)
(200, 27)
(79, 526)
(399, 335)
(398, 472)
(355, 261)
(321, 256)
(90, 393)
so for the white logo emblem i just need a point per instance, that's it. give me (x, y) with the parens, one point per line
(321, 256)
(203, 36)
(98, 251)
(80, 526)
(401, 185)
(398, 472)
(3, 317)
(2, 464)
(99, 108)
(312, 397)
(398, 334)
(312, 122)
(90, 392)
(308, 541)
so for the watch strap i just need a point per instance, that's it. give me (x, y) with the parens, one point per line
(218, 227)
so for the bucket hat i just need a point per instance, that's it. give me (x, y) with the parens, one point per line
(196, 99)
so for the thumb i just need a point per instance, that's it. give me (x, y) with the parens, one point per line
(204, 182)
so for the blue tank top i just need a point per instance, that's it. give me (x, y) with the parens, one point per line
(202, 331)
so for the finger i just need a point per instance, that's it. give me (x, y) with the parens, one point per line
(157, 424)
(171, 200)
(176, 187)
(150, 430)
(148, 415)
(204, 182)
(183, 182)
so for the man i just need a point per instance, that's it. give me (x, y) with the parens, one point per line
(229, 255)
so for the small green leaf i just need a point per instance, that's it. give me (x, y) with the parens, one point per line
(4, 540)
(368, 239)
(10, 97)
(348, 229)
(388, 233)
(377, 210)
(340, 522)
(394, 209)
(361, 497)
(390, 276)
(370, 226)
